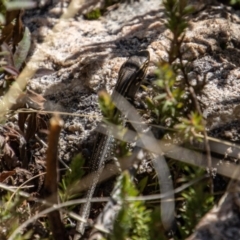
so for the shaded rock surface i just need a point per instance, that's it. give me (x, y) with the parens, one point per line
(223, 221)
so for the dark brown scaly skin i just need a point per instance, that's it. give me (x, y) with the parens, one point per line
(130, 77)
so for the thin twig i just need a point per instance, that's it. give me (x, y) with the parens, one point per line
(51, 179)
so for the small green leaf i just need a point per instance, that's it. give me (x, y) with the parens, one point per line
(94, 14)
(150, 103)
(142, 184)
(22, 49)
(160, 96)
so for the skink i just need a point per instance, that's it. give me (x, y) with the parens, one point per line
(130, 77)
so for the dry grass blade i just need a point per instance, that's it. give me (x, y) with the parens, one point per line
(178, 153)
(77, 6)
(21, 186)
(5, 174)
(158, 160)
(216, 145)
(220, 146)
